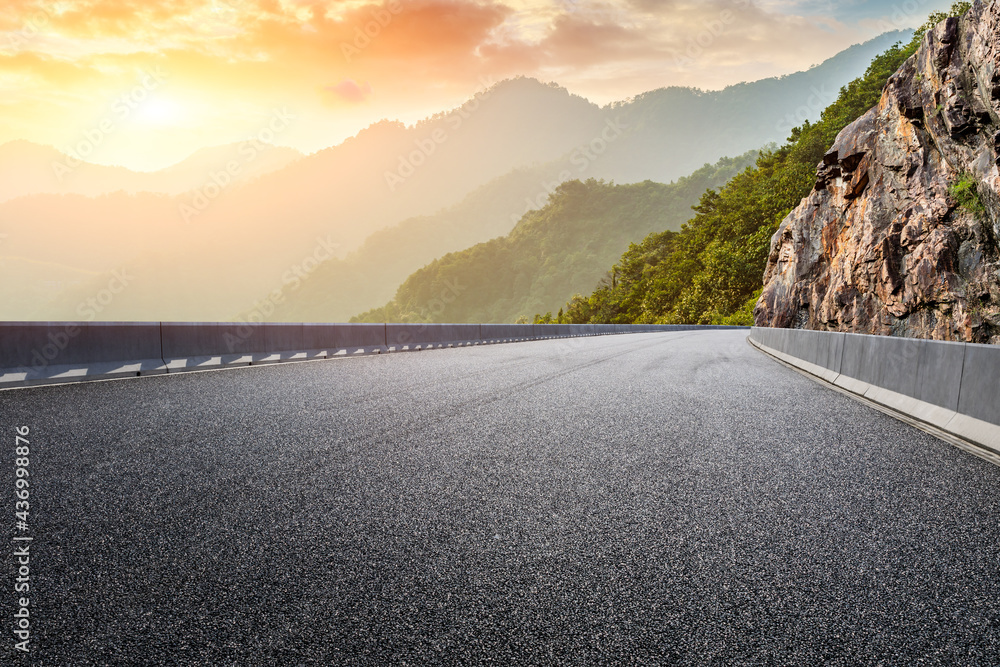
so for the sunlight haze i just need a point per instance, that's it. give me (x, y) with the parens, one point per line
(225, 65)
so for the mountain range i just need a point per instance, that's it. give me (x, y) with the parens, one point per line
(456, 179)
(30, 169)
(553, 253)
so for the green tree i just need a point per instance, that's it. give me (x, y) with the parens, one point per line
(710, 271)
(957, 9)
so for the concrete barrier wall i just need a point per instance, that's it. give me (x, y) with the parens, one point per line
(346, 337)
(283, 341)
(980, 394)
(41, 344)
(32, 352)
(183, 340)
(552, 330)
(499, 332)
(926, 370)
(423, 335)
(46, 352)
(953, 386)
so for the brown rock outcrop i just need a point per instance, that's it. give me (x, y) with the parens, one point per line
(880, 246)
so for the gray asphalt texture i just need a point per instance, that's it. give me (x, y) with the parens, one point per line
(669, 498)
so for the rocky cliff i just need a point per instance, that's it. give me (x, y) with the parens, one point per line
(899, 236)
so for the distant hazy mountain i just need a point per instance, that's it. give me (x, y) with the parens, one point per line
(369, 276)
(553, 253)
(390, 172)
(211, 253)
(672, 131)
(252, 159)
(31, 169)
(215, 251)
(656, 142)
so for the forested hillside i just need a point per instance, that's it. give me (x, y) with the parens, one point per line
(660, 135)
(369, 277)
(551, 253)
(710, 272)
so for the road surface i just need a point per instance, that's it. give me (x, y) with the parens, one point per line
(674, 498)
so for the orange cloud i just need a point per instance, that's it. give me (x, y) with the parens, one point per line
(246, 57)
(48, 70)
(348, 91)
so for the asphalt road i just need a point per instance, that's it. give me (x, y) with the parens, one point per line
(669, 498)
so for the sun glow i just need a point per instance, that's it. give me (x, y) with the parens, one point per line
(160, 111)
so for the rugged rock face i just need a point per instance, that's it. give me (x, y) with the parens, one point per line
(880, 246)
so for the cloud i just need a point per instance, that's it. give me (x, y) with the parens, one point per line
(408, 46)
(348, 91)
(57, 73)
(576, 41)
(247, 56)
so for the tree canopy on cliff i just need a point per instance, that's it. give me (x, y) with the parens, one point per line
(710, 272)
(551, 252)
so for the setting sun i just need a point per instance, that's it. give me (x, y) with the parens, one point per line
(341, 66)
(160, 111)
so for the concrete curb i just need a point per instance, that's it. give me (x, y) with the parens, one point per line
(37, 353)
(922, 382)
(53, 352)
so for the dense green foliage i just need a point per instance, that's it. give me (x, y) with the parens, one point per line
(710, 272)
(966, 192)
(551, 253)
(957, 9)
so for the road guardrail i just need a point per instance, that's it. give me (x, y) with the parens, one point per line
(33, 353)
(953, 387)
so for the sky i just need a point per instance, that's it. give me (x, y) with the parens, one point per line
(145, 83)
